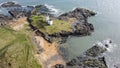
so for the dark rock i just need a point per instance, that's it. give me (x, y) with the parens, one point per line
(106, 45)
(59, 66)
(95, 51)
(110, 41)
(73, 62)
(102, 59)
(10, 4)
(92, 58)
(94, 63)
(39, 6)
(17, 12)
(81, 26)
(78, 13)
(91, 26)
(31, 7)
(43, 9)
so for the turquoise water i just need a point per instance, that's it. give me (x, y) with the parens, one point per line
(106, 23)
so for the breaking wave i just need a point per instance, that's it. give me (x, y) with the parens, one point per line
(108, 44)
(52, 9)
(111, 59)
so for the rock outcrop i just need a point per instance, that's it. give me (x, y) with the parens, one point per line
(10, 4)
(16, 10)
(93, 57)
(81, 26)
(80, 14)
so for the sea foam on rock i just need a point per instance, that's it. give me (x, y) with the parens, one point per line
(47, 9)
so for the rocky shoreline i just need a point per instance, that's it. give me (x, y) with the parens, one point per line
(80, 27)
(92, 58)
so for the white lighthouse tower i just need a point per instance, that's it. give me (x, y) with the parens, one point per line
(48, 20)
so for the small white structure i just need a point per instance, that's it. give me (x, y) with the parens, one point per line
(48, 20)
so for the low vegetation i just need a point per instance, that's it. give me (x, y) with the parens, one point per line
(16, 49)
(57, 27)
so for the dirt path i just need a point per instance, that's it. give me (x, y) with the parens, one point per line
(49, 57)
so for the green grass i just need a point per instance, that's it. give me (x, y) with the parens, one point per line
(57, 27)
(16, 49)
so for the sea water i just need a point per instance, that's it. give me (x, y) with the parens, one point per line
(106, 23)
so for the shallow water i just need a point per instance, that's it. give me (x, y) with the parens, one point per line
(106, 23)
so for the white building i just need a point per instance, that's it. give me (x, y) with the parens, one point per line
(48, 20)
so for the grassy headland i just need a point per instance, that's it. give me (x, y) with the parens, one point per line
(57, 27)
(16, 49)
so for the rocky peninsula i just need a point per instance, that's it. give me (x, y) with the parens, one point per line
(49, 38)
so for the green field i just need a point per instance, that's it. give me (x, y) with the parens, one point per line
(57, 27)
(16, 49)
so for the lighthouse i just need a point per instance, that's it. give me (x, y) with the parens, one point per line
(48, 20)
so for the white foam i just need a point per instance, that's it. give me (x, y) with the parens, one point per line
(1, 4)
(74, 8)
(103, 44)
(111, 45)
(52, 9)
